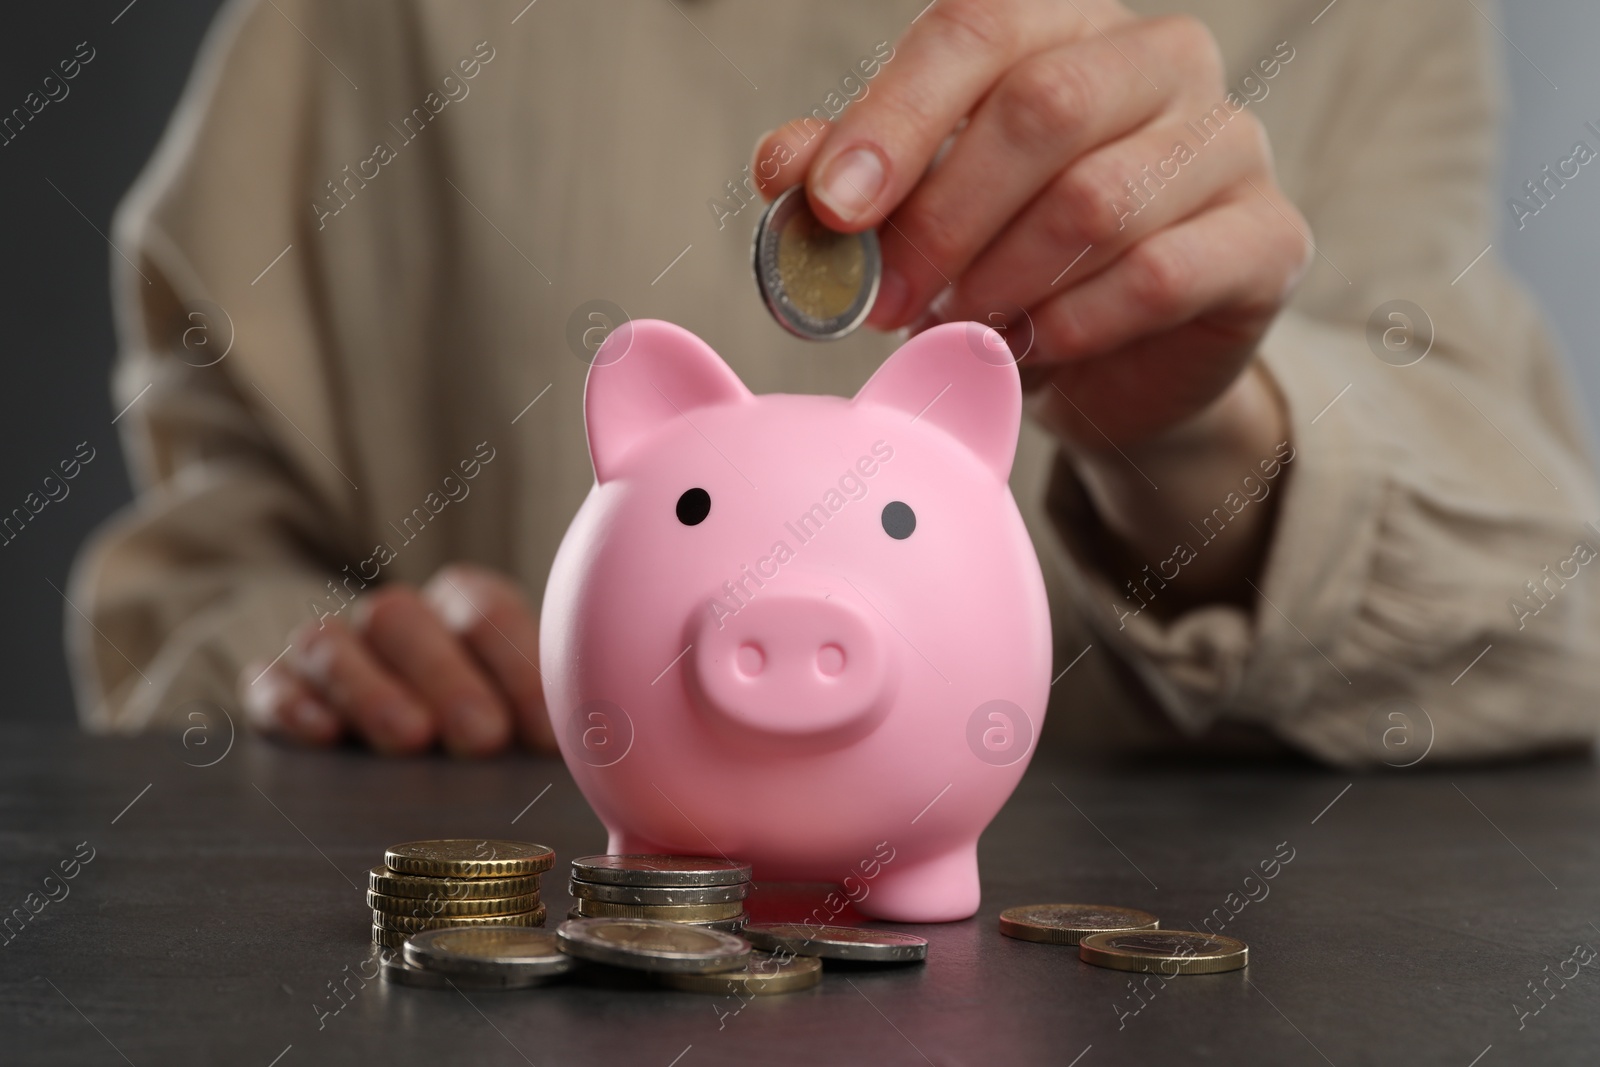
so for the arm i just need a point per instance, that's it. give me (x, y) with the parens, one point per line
(1422, 501)
(251, 446)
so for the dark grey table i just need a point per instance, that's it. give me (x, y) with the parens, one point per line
(1418, 912)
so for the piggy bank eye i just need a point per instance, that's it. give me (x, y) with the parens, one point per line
(898, 520)
(693, 506)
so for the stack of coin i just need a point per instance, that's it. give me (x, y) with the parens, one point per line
(431, 885)
(683, 889)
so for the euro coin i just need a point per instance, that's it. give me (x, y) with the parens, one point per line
(1167, 952)
(1067, 924)
(691, 913)
(400, 972)
(763, 975)
(390, 939)
(382, 880)
(729, 926)
(434, 908)
(411, 924)
(640, 894)
(838, 942)
(652, 945)
(818, 284)
(508, 952)
(469, 858)
(659, 870)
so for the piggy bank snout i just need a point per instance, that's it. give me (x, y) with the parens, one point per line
(796, 666)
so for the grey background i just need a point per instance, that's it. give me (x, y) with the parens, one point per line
(55, 315)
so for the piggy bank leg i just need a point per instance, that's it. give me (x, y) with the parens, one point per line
(937, 889)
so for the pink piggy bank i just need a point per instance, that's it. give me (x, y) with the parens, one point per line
(806, 632)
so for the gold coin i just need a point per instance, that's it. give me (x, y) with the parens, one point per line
(766, 973)
(419, 908)
(414, 925)
(1168, 952)
(600, 909)
(1067, 924)
(822, 270)
(469, 858)
(382, 880)
(391, 939)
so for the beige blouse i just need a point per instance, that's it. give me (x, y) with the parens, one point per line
(358, 254)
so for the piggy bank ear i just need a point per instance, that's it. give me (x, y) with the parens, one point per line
(647, 374)
(959, 376)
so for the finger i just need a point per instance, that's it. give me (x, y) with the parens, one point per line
(783, 155)
(278, 704)
(943, 65)
(489, 614)
(1045, 113)
(1101, 206)
(406, 635)
(350, 680)
(1240, 257)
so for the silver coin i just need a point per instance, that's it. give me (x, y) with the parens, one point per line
(659, 870)
(508, 952)
(653, 945)
(649, 894)
(837, 942)
(399, 972)
(818, 284)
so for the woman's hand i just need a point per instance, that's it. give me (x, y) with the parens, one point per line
(452, 663)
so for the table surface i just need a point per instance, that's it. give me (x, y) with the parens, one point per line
(1416, 915)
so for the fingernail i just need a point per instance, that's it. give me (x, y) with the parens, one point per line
(940, 307)
(478, 726)
(851, 182)
(890, 304)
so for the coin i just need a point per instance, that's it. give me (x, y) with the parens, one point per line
(838, 942)
(489, 951)
(730, 926)
(692, 913)
(382, 880)
(434, 908)
(391, 939)
(659, 870)
(764, 974)
(400, 972)
(469, 858)
(652, 945)
(1166, 952)
(1066, 924)
(817, 283)
(414, 924)
(642, 894)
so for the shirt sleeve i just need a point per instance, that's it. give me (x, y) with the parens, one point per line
(244, 487)
(1429, 587)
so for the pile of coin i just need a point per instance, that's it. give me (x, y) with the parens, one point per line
(432, 885)
(671, 918)
(681, 889)
(1124, 939)
(770, 957)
